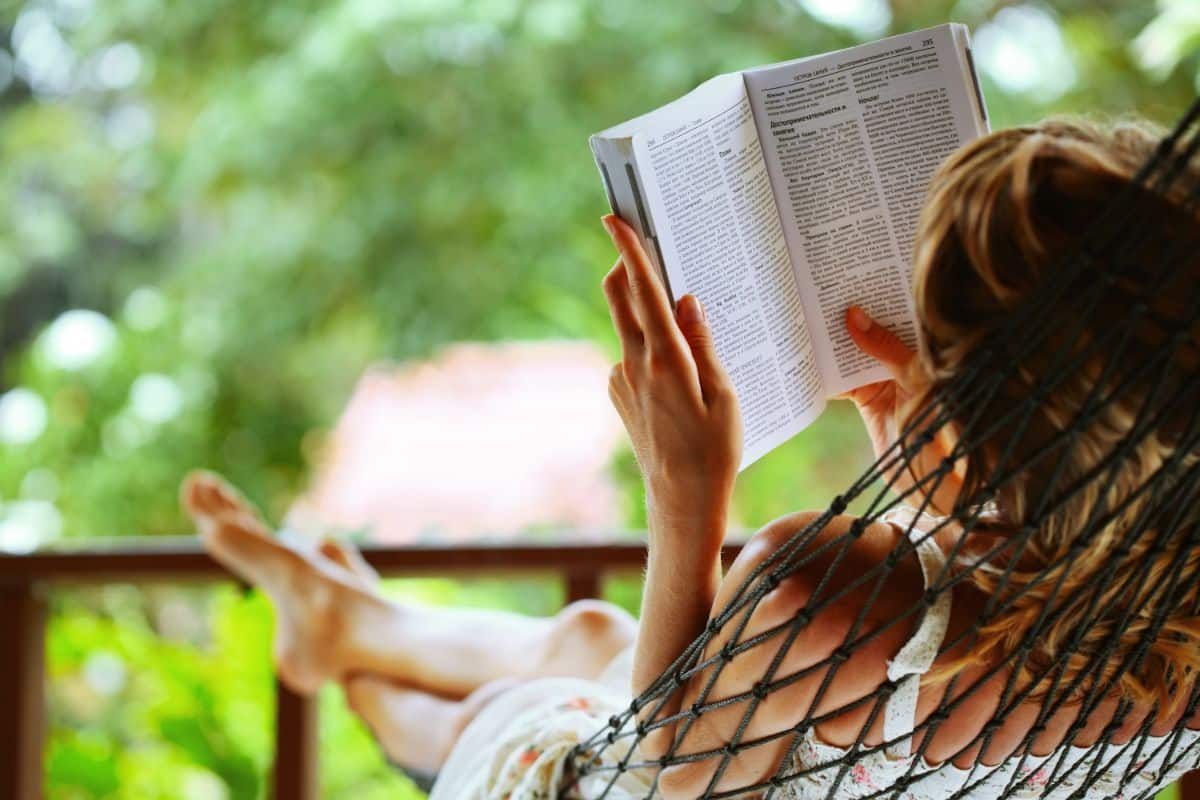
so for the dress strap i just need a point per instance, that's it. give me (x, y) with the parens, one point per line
(918, 653)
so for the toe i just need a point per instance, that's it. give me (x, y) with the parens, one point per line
(192, 492)
(222, 497)
(348, 558)
(330, 549)
(208, 494)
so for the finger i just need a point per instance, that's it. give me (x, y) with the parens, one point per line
(714, 381)
(876, 340)
(619, 389)
(866, 395)
(620, 395)
(649, 296)
(620, 308)
(617, 382)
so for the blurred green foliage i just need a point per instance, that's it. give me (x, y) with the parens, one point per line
(259, 198)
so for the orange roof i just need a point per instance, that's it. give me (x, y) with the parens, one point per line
(483, 440)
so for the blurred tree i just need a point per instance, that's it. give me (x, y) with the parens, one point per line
(264, 197)
(254, 199)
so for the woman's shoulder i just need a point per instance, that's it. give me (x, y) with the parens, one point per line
(835, 566)
(813, 542)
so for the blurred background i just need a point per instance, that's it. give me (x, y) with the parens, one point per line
(348, 253)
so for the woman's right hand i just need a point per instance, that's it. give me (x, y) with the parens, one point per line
(675, 398)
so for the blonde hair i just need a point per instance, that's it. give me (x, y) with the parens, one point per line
(1003, 214)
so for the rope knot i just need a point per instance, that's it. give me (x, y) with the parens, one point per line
(760, 690)
(838, 506)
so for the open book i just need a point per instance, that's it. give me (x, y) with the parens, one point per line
(781, 195)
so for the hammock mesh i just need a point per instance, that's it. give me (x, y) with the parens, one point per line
(1164, 391)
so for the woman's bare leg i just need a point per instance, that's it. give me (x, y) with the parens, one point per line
(416, 729)
(331, 624)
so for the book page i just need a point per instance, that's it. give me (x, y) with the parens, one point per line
(851, 140)
(704, 204)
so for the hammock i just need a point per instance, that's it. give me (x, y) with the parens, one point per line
(1165, 395)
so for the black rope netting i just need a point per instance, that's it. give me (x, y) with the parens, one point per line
(1083, 670)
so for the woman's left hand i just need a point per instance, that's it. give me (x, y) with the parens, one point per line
(880, 404)
(883, 404)
(675, 398)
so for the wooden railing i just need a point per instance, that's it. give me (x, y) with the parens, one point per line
(26, 579)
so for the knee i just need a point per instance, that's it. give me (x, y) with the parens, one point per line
(596, 621)
(585, 636)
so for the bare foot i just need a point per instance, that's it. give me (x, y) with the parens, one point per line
(314, 596)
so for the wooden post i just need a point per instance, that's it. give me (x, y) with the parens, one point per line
(583, 584)
(22, 697)
(296, 769)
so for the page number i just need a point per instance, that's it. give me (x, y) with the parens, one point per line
(926, 42)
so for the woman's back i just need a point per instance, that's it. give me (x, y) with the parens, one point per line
(848, 736)
(1055, 760)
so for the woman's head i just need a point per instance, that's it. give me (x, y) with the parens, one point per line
(1005, 216)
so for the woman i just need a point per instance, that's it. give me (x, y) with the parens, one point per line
(497, 701)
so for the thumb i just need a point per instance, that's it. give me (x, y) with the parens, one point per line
(694, 325)
(877, 341)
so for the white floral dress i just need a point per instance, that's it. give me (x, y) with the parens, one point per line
(517, 747)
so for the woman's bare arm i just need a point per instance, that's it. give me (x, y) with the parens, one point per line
(681, 413)
(837, 563)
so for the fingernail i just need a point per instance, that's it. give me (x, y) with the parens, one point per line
(859, 318)
(607, 221)
(690, 310)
